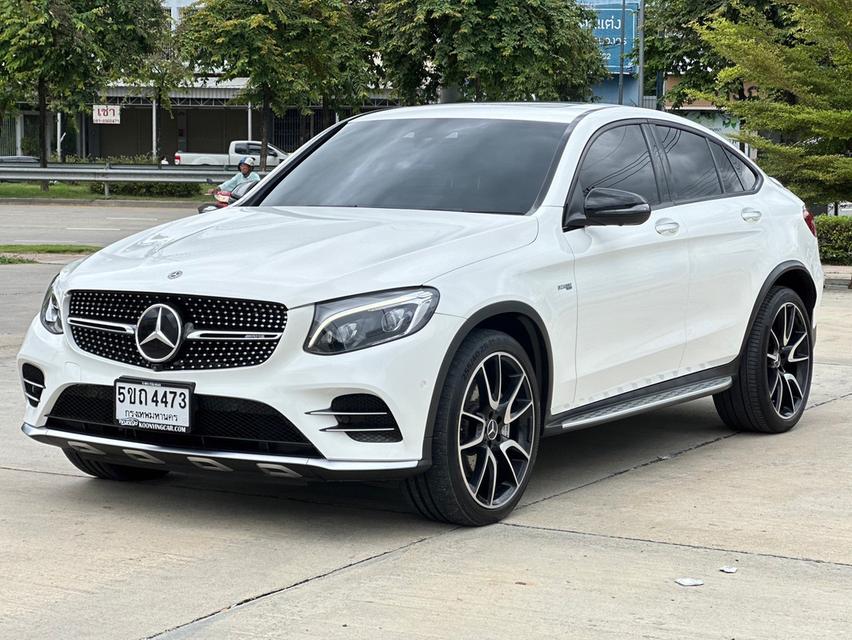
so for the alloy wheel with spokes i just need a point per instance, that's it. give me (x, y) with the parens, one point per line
(485, 434)
(788, 360)
(770, 389)
(496, 427)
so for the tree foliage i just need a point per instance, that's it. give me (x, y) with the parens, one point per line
(674, 46)
(63, 52)
(488, 49)
(800, 114)
(292, 52)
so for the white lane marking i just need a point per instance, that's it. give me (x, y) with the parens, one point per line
(144, 219)
(92, 229)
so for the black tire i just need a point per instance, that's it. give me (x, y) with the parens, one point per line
(443, 493)
(751, 404)
(109, 471)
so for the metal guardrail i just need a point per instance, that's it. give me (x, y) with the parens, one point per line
(119, 173)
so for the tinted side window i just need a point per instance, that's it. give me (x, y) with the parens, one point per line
(747, 176)
(692, 172)
(240, 149)
(730, 178)
(617, 159)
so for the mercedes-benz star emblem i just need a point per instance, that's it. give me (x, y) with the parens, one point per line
(491, 429)
(159, 333)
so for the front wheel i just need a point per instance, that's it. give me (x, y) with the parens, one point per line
(485, 436)
(774, 378)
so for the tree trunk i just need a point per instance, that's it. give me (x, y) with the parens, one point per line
(42, 128)
(326, 115)
(264, 129)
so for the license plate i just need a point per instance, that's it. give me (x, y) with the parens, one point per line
(147, 404)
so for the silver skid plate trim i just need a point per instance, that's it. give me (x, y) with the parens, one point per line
(63, 438)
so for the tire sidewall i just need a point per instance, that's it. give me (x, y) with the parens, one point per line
(455, 387)
(779, 298)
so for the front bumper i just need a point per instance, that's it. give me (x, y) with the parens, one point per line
(274, 466)
(402, 373)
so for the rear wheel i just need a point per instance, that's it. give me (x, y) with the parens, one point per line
(485, 436)
(774, 379)
(109, 471)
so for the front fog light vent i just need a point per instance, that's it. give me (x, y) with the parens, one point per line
(363, 417)
(33, 380)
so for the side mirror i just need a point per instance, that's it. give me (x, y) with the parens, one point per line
(241, 190)
(614, 207)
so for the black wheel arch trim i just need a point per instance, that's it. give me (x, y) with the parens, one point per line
(773, 277)
(493, 310)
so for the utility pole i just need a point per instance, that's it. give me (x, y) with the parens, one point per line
(621, 52)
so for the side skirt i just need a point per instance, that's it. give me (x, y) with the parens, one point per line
(664, 394)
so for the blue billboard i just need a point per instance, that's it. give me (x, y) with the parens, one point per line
(608, 30)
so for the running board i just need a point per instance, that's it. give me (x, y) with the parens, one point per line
(634, 405)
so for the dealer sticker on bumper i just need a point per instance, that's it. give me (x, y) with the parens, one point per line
(146, 404)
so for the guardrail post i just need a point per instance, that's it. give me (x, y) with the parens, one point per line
(106, 184)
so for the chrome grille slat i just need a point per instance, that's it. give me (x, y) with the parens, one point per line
(223, 332)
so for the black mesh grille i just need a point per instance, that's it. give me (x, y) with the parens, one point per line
(202, 312)
(365, 403)
(33, 379)
(218, 423)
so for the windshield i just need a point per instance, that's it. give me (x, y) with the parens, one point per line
(458, 164)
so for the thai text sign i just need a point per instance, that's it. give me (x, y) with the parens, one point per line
(608, 31)
(106, 114)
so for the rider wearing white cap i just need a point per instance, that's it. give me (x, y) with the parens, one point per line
(245, 174)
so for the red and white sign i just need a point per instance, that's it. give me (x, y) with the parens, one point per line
(106, 114)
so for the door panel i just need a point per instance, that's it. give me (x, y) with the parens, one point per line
(727, 239)
(631, 281)
(632, 286)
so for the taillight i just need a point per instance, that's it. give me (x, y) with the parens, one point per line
(177, 158)
(809, 220)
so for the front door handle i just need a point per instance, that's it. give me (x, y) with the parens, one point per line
(751, 215)
(667, 227)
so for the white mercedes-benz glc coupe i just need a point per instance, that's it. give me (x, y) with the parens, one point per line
(428, 293)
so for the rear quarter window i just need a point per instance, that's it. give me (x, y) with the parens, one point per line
(692, 172)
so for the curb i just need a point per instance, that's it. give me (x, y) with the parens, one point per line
(70, 202)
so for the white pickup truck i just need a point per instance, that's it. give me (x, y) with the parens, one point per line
(236, 150)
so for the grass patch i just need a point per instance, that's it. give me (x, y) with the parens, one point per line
(15, 260)
(48, 248)
(76, 191)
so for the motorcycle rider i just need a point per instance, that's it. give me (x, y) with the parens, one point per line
(245, 174)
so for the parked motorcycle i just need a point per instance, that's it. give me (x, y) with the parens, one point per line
(225, 198)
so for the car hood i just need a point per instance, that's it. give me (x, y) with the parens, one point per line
(300, 255)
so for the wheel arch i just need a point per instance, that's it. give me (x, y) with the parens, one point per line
(791, 274)
(520, 321)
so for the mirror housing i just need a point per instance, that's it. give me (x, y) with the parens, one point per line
(241, 189)
(603, 206)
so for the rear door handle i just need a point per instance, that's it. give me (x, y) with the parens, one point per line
(667, 227)
(751, 215)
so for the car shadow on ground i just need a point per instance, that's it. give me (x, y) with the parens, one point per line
(565, 463)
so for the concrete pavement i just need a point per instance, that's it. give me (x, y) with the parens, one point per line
(612, 517)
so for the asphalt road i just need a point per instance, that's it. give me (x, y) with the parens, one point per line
(73, 224)
(613, 516)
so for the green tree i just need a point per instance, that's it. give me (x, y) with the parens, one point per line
(673, 45)
(61, 53)
(162, 70)
(488, 49)
(292, 52)
(799, 116)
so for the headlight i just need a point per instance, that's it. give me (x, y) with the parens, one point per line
(363, 321)
(51, 311)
